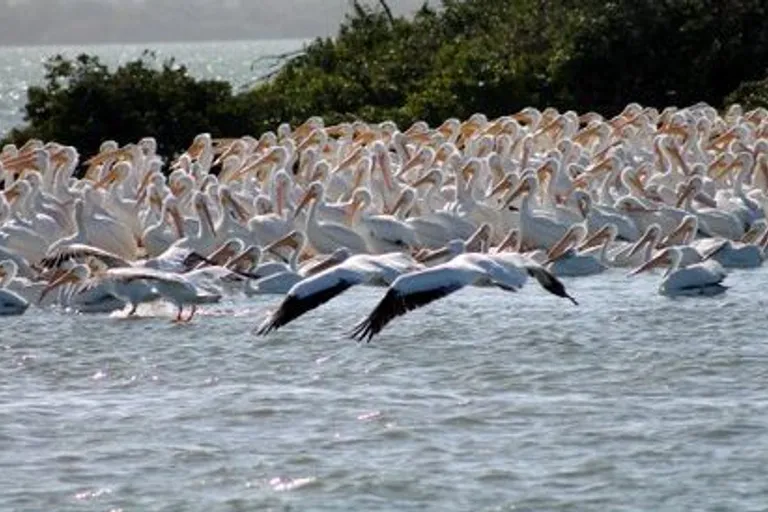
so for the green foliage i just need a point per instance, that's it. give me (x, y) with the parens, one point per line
(490, 56)
(750, 95)
(82, 103)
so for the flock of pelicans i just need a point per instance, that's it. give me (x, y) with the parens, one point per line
(312, 211)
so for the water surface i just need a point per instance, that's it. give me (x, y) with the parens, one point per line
(482, 401)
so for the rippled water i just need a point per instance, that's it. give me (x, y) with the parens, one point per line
(483, 401)
(236, 62)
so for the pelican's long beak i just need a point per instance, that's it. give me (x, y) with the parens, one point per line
(480, 236)
(384, 173)
(223, 254)
(398, 204)
(109, 178)
(684, 193)
(675, 152)
(350, 159)
(288, 240)
(509, 242)
(308, 196)
(196, 149)
(705, 199)
(658, 261)
(352, 209)
(435, 255)
(177, 220)
(11, 194)
(427, 178)
(68, 277)
(144, 184)
(521, 188)
(206, 217)
(155, 200)
(647, 238)
(107, 155)
(410, 164)
(721, 173)
(237, 208)
(563, 245)
(224, 151)
(21, 162)
(605, 165)
(329, 261)
(503, 185)
(596, 239)
(635, 181)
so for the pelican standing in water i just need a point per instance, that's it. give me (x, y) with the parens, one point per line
(694, 280)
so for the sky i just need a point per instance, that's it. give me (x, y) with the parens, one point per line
(27, 22)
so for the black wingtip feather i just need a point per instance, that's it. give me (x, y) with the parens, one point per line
(396, 304)
(293, 307)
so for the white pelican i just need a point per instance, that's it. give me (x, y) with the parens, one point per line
(417, 289)
(204, 241)
(312, 292)
(565, 261)
(325, 237)
(130, 283)
(157, 238)
(698, 279)
(536, 231)
(11, 303)
(382, 233)
(279, 277)
(711, 220)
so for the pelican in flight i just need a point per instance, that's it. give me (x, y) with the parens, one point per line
(694, 280)
(312, 292)
(416, 289)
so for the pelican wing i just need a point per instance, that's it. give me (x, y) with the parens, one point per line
(309, 294)
(397, 302)
(79, 253)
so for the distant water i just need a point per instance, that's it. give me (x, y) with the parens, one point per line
(485, 401)
(235, 62)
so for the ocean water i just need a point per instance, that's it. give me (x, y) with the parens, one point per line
(483, 401)
(240, 62)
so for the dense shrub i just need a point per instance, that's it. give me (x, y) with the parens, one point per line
(491, 56)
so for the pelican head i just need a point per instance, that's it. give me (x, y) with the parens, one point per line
(671, 256)
(651, 237)
(691, 188)
(572, 236)
(434, 177)
(404, 201)
(232, 204)
(315, 192)
(227, 251)
(528, 185)
(247, 260)
(294, 240)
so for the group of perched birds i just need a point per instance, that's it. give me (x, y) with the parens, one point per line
(311, 211)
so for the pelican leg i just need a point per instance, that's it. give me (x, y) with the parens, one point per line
(178, 319)
(133, 310)
(191, 313)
